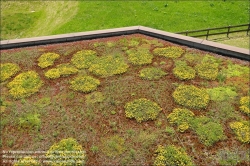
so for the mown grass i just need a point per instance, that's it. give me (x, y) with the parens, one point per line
(58, 17)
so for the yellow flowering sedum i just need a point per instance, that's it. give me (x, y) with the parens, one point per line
(181, 117)
(183, 71)
(245, 105)
(8, 70)
(108, 65)
(27, 161)
(66, 152)
(25, 84)
(64, 69)
(169, 52)
(242, 130)
(83, 59)
(84, 84)
(191, 96)
(142, 110)
(207, 70)
(152, 73)
(139, 56)
(47, 59)
(171, 155)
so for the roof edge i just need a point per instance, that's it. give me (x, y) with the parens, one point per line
(205, 45)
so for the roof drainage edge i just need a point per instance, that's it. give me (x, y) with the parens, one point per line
(201, 44)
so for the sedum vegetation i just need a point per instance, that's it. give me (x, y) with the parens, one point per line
(191, 96)
(172, 155)
(47, 59)
(84, 84)
(169, 52)
(121, 109)
(66, 152)
(241, 130)
(151, 73)
(142, 110)
(8, 70)
(25, 84)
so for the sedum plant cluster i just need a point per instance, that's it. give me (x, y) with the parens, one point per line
(25, 84)
(169, 52)
(242, 130)
(47, 59)
(183, 71)
(142, 109)
(65, 69)
(191, 96)
(181, 117)
(172, 155)
(152, 73)
(84, 84)
(139, 56)
(8, 70)
(245, 105)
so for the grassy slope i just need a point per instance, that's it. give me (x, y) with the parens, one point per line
(21, 19)
(170, 16)
(58, 17)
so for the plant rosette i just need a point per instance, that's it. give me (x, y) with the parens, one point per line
(47, 59)
(8, 70)
(25, 84)
(191, 96)
(84, 84)
(142, 110)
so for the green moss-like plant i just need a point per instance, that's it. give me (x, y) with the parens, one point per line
(28, 160)
(191, 96)
(66, 152)
(142, 110)
(234, 70)
(172, 155)
(8, 70)
(30, 121)
(25, 84)
(181, 117)
(245, 105)
(47, 59)
(209, 132)
(208, 71)
(108, 65)
(84, 84)
(139, 56)
(169, 52)
(113, 146)
(242, 130)
(183, 71)
(221, 93)
(152, 73)
(83, 59)
(94, 97)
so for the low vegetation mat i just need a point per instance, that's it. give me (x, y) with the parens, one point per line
(124, 100)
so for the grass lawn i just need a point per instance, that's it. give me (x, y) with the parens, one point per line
(29, 19)
(126, 100)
